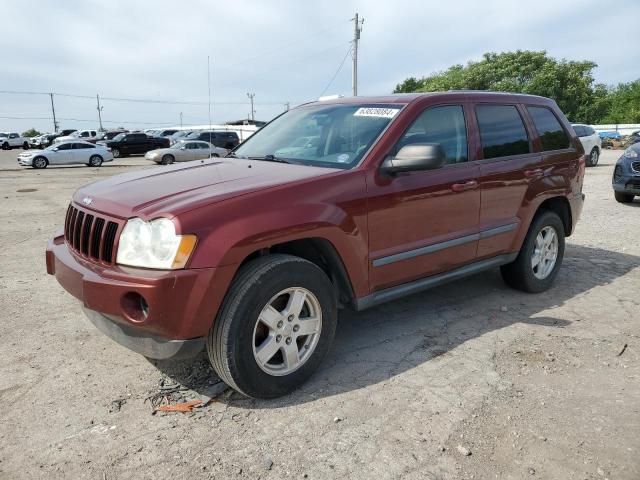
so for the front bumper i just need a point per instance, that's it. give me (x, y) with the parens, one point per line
(25, 162)
(181, 305)
(150, 346)
(626, 180)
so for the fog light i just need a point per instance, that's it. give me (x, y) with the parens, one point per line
(135, 307)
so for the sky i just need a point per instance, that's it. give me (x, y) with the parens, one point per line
(280, 50)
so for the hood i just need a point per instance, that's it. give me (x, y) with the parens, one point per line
(31, 152)
(170, 190)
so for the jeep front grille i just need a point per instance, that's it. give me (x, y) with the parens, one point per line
(90, 235)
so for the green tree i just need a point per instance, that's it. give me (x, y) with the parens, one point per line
(569, 83)
(32, 132)
(624, 103)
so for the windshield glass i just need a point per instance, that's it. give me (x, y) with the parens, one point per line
(335, 136)
(119, 137)
(3, 135)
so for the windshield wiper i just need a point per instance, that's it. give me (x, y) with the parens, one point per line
(270, 158)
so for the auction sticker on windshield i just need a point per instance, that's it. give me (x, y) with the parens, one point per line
(376, 112)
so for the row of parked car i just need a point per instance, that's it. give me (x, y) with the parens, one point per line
(163, 147)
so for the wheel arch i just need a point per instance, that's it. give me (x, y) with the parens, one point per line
(319, 251)
(559, 205)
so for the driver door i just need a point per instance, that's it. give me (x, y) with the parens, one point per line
(425, 222)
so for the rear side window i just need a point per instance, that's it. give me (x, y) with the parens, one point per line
(552, 135)
(502, 131)
(443, 125)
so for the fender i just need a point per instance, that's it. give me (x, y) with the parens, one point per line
(333, 209)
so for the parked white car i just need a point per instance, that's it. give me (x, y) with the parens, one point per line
(86, 135)
(591, 142)
(68, 153)
(185, 151)
(13, 140)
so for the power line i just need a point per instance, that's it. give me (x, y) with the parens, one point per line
(337, 71)
(136, 100)
(86, 120)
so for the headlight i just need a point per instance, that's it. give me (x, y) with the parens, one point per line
(154, 245)
(630, 153)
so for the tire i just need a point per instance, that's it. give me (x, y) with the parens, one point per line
(594, 156)
(623, 197)
(95, 161)
(115, 152)
(272, 280)
(6, 146)
(39, 163)
(522, 274)
(167, 160)
(25, 146)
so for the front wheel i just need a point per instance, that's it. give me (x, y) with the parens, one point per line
(115, 152)
(39, 162)
(6, 146)
(593, 158)
(167, 160)
(536, 266)
(623, 197)
(275, 327)
(25, 146)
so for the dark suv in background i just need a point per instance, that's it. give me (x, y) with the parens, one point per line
(222, 139)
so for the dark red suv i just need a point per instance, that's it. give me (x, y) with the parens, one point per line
(345, 203)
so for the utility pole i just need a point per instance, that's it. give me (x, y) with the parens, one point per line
(180, 119)
(357, 22)
(53, 110)
(99, 111)
(253, 112)
(286, 107)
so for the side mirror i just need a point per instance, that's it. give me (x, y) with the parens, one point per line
(415, 157)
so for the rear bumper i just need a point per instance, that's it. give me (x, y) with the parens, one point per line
(179, 305)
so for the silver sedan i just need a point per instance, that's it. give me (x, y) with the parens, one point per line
(185, 151)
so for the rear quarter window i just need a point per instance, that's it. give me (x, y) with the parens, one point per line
(502, 131)
(552, 135)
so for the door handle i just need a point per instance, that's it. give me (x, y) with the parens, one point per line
(461, 187)
(533, 173)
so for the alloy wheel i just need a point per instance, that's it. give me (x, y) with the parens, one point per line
(545, 252)
(287, 331)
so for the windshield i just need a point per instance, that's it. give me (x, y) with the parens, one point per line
(119, 137)
(335, 136)
(3, 135)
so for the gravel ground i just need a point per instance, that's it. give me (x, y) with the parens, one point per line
(469, 380)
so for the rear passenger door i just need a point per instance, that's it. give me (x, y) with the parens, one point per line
(508, 164)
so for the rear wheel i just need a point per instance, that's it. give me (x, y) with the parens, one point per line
(25, 146)
(39, 162)
(623, 197)
(536, 266)
(95, 161)
(6, 146)
(275, 327)
(593, 158)
(167, 160)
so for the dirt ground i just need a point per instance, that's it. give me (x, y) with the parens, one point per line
(469, 380)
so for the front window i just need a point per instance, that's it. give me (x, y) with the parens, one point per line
(335, 136)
